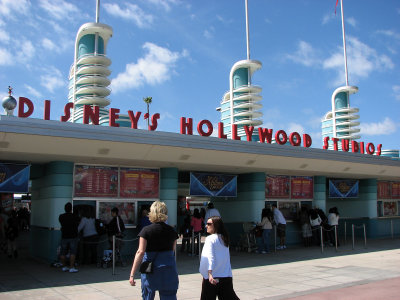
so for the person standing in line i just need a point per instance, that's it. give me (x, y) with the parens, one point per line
(281, 226)
(12, 232)
(211, 212)
(196, 223)
(90, 236)
(69, 238)
(116, 227)
(215, 263)
(333, 221)
(157, 243)
(266, 225)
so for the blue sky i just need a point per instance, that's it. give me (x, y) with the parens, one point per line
(180, 52)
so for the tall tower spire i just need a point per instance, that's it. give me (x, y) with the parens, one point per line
(89, 72)
(341, 122)
(240, 106)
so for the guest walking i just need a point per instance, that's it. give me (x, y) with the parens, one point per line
(215, 263)
(157, 243)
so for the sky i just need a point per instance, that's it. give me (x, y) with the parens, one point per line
(180, 53)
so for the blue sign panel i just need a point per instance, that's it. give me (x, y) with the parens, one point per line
(14, 178)
(214, 185)
(343, 188)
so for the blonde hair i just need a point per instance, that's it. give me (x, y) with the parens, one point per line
(158, 212)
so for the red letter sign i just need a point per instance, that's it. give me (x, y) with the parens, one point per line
(249, 132)
(113, 116)
(221, 134)
(295, 139)
(46, 113)
(200, 128)
(278, 139)
(22, 102)
(265, 134)
(307, 141)
(88, 113)
(134, 118)
(67, 112)
(186, 126)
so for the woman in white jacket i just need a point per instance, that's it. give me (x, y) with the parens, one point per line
(215, 263)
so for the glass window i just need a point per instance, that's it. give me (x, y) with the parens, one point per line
(289, 210)
(389, 208)
(126, 211)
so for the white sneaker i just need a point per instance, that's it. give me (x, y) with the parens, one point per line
(73, 270)
(264, 252)
(279, 248)
(65, 269)
(284, 247)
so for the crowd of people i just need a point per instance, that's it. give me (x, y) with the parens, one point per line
(11, 224)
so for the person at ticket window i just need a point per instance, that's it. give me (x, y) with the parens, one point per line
(115, 227)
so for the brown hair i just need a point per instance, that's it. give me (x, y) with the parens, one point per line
(219, 228)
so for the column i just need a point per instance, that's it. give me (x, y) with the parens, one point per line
(169, 192)
(320, 192)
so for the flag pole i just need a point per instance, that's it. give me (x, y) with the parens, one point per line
(247, 33)
(344, 45)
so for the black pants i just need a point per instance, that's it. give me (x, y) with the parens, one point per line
(90, 249)
(223, 289)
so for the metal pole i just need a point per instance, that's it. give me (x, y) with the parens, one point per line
(336, 237)
(247, 33)
(391, 228)
(344, 45)
(199, 240)
(113, 255)
(345, 233)
(352, 234)
(97, 11)
(365, 237)
(275, 237)
(322, 239)
(192, 243)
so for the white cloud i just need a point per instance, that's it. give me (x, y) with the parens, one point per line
(396, 91)
(305, 55)
(166, 4)
(362, 61)
(6, 59)
(48, 44)
(53, 79)
(4, 36)
(27, 51)
(327, 18)
(10, 7)
(386, 127)
(294, 127)
(351, 21)
(32, 91)
(389, 33)
(154, 68)
(208, 34)
(131, 12)
(59, 9)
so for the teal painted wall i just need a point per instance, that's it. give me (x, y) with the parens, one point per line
(320, 192)
(50, 192)
(240, 78)
(86, 45)
(341, 100)
(169, 192)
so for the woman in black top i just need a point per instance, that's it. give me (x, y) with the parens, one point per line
(157, 243)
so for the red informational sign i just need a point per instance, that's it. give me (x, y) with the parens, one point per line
(302, 187)
(396, 190)
(96, 181)
(384, 190)
(277, 187)
(139, 183)
(7, 201)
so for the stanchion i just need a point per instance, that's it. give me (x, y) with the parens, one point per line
(322, 239)
(352, 234)
(199, 240)
(192, 246)
(113, 255)
(391, 228)
(336, 237)
(365, 237)
(275, 238)
(345, 233)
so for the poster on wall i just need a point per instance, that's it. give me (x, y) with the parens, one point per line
(396, 190)
(302, 187)
(7, 201)
(383, 190)
(277, 186)
(126, 211)
(139, 183)
(14, 178)
(343, 188)
(214, 185)
(389, 208)
(95, 181)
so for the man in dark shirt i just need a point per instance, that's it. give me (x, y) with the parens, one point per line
(69, 237)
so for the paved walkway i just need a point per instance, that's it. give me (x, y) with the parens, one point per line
(294, 273)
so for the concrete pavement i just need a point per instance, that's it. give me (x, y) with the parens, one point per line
(297, 272)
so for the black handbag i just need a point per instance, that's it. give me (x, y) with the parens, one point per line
(147, 267)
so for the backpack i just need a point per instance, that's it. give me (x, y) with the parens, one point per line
(100, 227)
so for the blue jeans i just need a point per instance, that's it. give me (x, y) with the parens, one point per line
(164, 295)
(266, 234)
